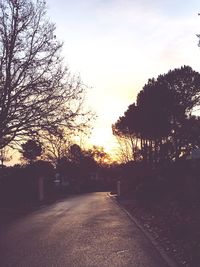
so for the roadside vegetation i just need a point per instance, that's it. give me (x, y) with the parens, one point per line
(42, 111)
(159, 138)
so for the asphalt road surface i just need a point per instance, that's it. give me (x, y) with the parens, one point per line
(83, 231)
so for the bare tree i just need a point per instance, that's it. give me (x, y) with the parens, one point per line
(5, 155)
(36, 91)
(124, 150)
(127, 149)
(56, 145)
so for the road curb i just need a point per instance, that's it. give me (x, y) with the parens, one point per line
(158, 247)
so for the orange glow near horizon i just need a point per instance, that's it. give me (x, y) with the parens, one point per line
(116, 46)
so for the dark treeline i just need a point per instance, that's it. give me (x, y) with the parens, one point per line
(160, 144)
(162, 132)
(40, 180)
(85, 170)
(160, 124)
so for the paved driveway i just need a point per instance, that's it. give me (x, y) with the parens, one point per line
(87, 230)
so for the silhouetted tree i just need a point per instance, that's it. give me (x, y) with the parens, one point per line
(98, 154)
(128, 127)
(31, 150)
(76, 167)
(82, 159)
(124, 151)
(161, 116)
(36, 91)
(75, 153)
(185, 85)
(56, 145)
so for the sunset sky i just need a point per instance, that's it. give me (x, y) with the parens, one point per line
(116, 45)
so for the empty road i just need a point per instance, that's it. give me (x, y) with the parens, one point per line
(83, 231)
